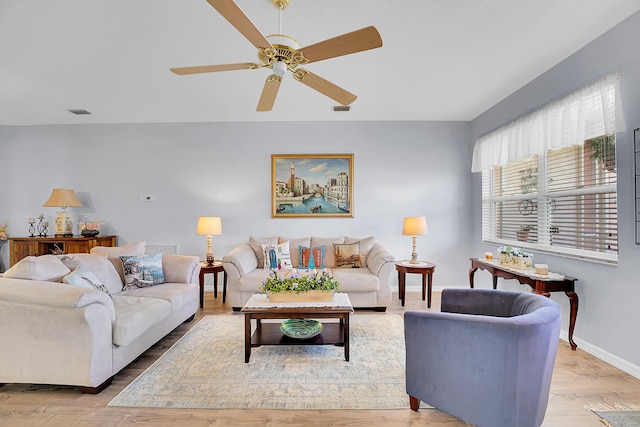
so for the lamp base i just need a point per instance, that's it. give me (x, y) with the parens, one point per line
(210, 259)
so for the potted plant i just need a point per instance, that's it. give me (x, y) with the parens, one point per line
(523, 233)
(604, 151)
(514, 257)
(296, 286)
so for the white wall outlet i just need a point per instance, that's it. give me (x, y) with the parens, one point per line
(148, 198)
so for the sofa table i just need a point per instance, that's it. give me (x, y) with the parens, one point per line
(214, 269)
(258, 307)
(540, 284)
(426, 269)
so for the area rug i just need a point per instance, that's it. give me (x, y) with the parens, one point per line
(618, 415)
(206, 369)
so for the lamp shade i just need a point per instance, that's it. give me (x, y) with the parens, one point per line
(62, 198)
(415, 226)
(209, 226)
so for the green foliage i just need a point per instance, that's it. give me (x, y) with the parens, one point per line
(509, 250)
(300, 283)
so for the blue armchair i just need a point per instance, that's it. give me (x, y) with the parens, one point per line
(486, 358)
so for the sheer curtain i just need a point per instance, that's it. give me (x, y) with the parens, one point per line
(583, 115)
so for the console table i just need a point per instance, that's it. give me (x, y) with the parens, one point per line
(540, 284)
(22, 247)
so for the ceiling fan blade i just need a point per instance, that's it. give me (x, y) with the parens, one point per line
(236, 17)
(214, 68)
(269, 92)
(324, 86)
(356, 41)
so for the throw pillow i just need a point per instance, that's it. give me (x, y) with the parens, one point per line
(142, 271)
(46, 267)
(277, 257)
(84, 278)
(256, 245)
(311, 257)
(99, 265)
(347, 255)
(114, 254)
(329, 257)
(294, 244)
(366, 245)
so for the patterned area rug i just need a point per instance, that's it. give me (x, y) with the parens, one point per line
(618, 415)
(206, 369)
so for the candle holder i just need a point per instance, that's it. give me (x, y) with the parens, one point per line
(32, 228)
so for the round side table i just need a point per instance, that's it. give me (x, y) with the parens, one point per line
(213, 269)
(424, 268)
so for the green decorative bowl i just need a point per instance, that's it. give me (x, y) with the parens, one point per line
(301, 328)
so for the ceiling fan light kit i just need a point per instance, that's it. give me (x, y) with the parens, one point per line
(281, 53)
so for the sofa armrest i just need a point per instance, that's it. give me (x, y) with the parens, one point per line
(378, 258)
(180, 268)
(242, 259)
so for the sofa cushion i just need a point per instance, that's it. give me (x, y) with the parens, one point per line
(294, 244)
(347, 255)
(254, 280)
(177, 294)
(277, 257)
(329, 257)
(46, 267)
(142, 271)
(366, 244)
(84, 278)
(114, 254)
(256, 244)
(305, 256)
(99, 265)
(356, 280)
(135, 315)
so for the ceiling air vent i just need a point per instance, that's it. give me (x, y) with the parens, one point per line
(341, 108)
(79, 111)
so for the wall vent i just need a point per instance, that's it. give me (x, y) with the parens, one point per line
(341, 108)
(165, 248)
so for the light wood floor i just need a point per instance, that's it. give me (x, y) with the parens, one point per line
(579, 379)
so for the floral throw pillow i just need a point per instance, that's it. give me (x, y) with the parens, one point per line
(277, 257)
(142, 271)
(311, 257)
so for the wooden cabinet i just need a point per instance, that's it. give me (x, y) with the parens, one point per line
(21, 247)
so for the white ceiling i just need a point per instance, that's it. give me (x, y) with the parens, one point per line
(441, 59)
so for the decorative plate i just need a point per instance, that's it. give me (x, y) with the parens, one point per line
(301, 328)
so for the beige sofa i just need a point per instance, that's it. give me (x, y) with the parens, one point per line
(368, 286)
(58, 333)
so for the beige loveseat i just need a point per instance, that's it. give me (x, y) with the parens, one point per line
(59, 333)
(368, 286)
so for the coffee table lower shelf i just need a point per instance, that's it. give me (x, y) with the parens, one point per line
(270, 334)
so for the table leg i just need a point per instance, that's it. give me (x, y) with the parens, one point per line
(573, 302)
(430, 288)
(472, 271)
(247, 337)
(424, 286)
(401, 286)
(224, 286)
(346, 337)
(201, 289)
(215, 285)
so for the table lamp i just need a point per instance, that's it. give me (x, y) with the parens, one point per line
(209, 226)
(414, 226)
(63, 198)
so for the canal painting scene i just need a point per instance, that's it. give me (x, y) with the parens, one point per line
(312, 185)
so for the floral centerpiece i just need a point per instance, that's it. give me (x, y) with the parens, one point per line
(293, 285)
(89, 228)
(514, 257)
(3, 231)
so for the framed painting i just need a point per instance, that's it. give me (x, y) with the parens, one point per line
(311, 185)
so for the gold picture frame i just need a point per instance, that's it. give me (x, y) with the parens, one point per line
(311, 185)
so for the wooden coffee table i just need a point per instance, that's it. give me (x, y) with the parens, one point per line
(258, 308)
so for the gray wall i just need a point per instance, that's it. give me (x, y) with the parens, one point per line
(224, 169)
(607, 315)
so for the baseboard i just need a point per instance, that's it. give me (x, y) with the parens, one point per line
(605, 356)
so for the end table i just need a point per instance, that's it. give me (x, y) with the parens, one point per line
(214, 269)
(424, 268)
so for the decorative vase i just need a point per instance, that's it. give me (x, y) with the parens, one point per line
(309, 296)
(89, 233)
(521, 263)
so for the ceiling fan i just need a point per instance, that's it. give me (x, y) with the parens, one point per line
(281, 53)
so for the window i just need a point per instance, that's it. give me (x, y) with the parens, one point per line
(561, 196)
